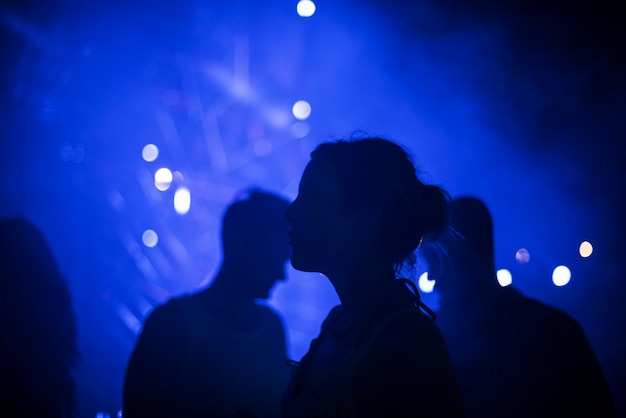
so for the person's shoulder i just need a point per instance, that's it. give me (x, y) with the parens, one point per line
(267, 313)
(412, 322)
(411, 328)
(544, 315)
(332, 316)
(172, 308)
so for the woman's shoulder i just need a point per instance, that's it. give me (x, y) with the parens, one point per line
(411, 330)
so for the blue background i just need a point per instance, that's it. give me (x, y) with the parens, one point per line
(521, 104)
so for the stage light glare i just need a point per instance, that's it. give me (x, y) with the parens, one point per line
(561, 276)
(522, 256)
(301, 109)
(305, 8)
(182, 201)
(150, 238)
(585, 249)
(425, 284)
(150, 152)
(504, 277)
(163, 179)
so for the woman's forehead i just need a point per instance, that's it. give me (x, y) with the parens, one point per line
(320, 175)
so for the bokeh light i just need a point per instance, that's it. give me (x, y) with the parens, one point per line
(522, 256)
(586, 249)
(301, 109)
(300, 129)
(150, 152)
(561, 276)
(182, 201)
(504, 277)
(305, 8)
(163, 179)
(150, 238)
(425, 284)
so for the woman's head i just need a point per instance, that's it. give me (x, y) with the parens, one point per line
(376, 198)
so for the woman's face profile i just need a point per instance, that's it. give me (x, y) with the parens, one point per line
(320, 228)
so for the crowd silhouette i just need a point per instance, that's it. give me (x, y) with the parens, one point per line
(514, 356)
(360, 214)
(38, 347)
(219, 353)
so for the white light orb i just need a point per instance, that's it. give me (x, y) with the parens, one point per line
(305, 8)
(425, 284)
(163, 179)
(561, 276)
(150, 152)
(301, 109)
(182, 201)
(150, 238)
(504, 277)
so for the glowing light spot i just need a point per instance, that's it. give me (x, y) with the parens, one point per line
(103, 415)
(150, 238)
(561, 276)
(425, 284)
(120, 414)
(305, 8)
(182, 201)
(163, 179)
(504, 277)
(522, 256)
(150, 152)
(301, 109)
(585, 249)
(300, 129)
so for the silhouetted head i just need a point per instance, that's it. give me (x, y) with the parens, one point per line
(254, 239)
(462, 261)
(23, 249)
(37, 325)
(362, 199)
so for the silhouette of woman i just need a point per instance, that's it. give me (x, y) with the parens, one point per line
(37, 327)
(360, 213)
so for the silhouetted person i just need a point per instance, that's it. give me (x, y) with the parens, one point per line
(218, 353)
(514, 356)
(359, 215)
(37, 327)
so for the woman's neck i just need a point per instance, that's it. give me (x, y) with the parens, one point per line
(360, 288)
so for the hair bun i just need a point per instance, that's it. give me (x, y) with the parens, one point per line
(433, 210)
